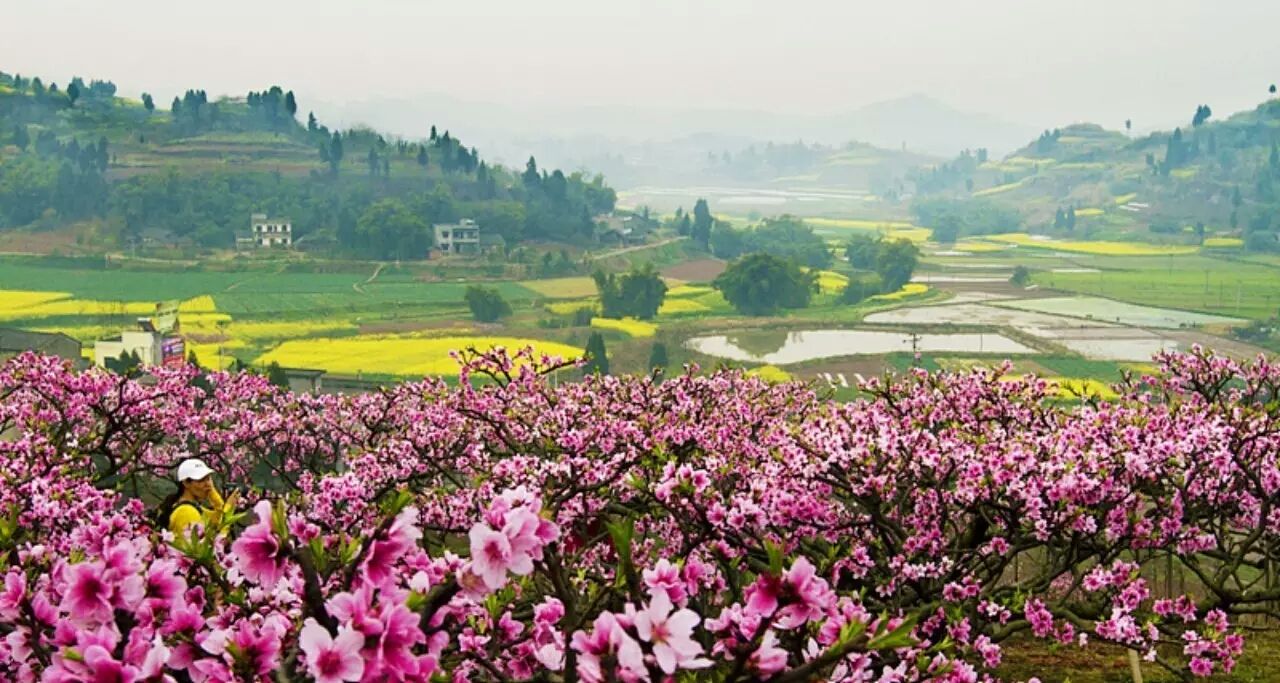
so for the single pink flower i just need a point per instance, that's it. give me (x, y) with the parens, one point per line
(665, 577)
(670, 634)
(329, 659)
(491, 555)
(258, 552)
(15, 589)
(607, 638)
(88, 596)
(768, 659)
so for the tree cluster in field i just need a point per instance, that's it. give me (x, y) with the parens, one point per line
(637, 293)
(786, 236)
(764, 284)
(486, 304)
(891, 262)
(709, 529)
(56, 177)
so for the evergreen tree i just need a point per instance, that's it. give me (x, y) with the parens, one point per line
(20, 137)
(73, 93)
(597, 356)
(373, 163)
(290, 104)
(433, 133)
(335, 152)
(148, 103)
(176, 107)
(658, 356)
(277, 376)
(530, 176)
(700, 231)
(312, 125)
(1071, 218)
(422, 156)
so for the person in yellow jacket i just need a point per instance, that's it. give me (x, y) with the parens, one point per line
(197, 499)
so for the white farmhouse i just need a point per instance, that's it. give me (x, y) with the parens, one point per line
(271, 232)
(462, 237)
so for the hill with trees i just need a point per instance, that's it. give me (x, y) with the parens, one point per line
(198, 167)
(1207, 178)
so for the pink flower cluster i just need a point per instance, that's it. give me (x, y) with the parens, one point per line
(704, 527)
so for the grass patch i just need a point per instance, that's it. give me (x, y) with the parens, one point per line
(562, 287)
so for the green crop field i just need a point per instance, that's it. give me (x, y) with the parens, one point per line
(1193, 283)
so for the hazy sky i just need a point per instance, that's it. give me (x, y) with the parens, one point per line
(1030, 61)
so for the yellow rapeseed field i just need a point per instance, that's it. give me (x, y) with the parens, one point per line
(1223, 242)
(75, 307)
(770, 373)
(908, 290)
(688, 290)
(402, 355)
(1088, 213)
(1126, 198)
(1095, 247)
(678, 306)
(628, 326)
(257, 331)
(1000, 188)
(979, 247)
(569, 307)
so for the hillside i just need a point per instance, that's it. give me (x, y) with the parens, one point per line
(196, 168)
(1089, 181)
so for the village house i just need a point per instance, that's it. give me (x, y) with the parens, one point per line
(462, 237)
(270, 232)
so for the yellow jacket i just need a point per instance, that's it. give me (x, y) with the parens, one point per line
(188, 512)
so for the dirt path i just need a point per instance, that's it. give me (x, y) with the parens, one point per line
(359, 286)
(638, 247)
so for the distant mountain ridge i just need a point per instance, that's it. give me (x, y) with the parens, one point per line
(567, 136)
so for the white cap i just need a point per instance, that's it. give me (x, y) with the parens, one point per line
(194, 469)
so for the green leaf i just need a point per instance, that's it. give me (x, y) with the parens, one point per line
(850, 632)
(775, 557)
(622, 532)
(898, 637)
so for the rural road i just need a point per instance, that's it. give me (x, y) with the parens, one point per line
(638, 247)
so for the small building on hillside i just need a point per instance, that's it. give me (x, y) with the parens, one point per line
(14, 341)
(622, 229)
(271, 232)
(462, 237)
(154, 342)
(146, 344)
(304, 380)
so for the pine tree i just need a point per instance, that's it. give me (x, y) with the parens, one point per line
(290, 104)
(422, 156)
(597, 356)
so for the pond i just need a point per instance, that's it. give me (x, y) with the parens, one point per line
(784, 348)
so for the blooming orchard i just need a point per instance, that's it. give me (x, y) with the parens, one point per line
(619, 529)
